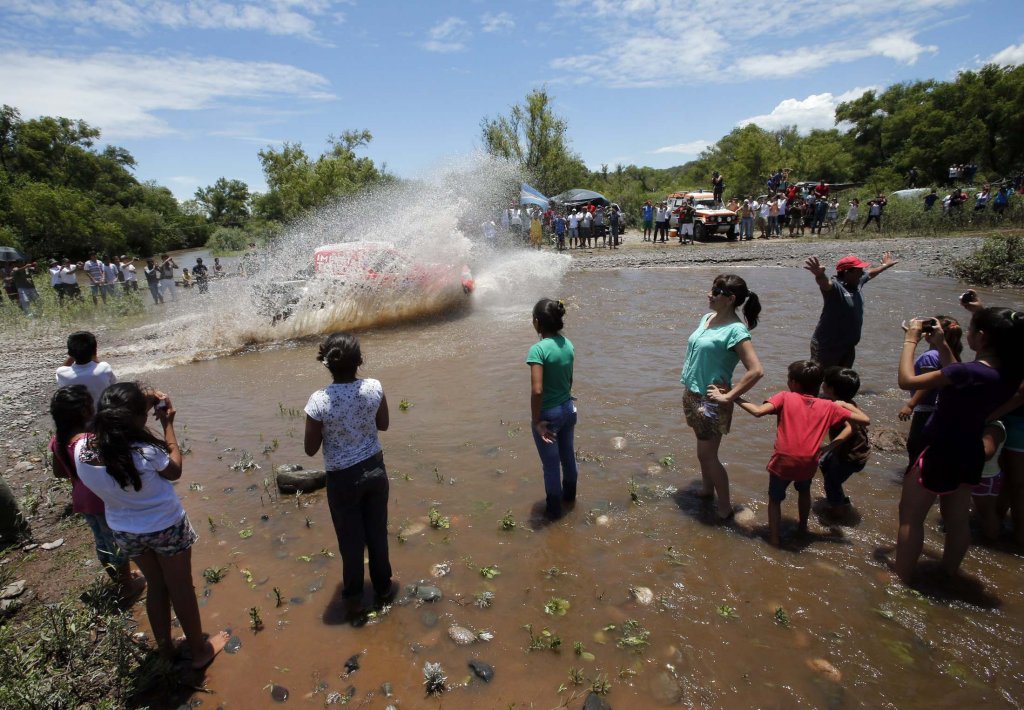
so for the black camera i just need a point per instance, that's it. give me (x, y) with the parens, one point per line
(968, 297)
(928, 325)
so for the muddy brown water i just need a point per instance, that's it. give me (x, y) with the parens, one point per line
(854, 637)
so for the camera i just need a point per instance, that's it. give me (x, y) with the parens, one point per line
(968, 297)
(928, 325)
(160, 405)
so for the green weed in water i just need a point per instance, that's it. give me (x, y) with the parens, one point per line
(255, 620)
(727, 612)
(545, 640)
(667, 461)
(484, 599)
(278, 599)
(634, 491)
(634, 636)
(212, 575)
(489, 572)
(507, 521)
(245, 533)
(781, 617)
(438, 521)
(556, 606)
(404, 405)
(576, 676)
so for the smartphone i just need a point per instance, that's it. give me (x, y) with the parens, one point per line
(160, 405)
(968, 297)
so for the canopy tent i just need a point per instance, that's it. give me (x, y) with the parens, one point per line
(531, 196)
(577, 197)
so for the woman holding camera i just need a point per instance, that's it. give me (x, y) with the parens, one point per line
(131, 470)
(951, 462)
(344, 417)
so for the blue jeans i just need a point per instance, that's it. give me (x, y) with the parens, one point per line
(110, 555)
(747, 228)
(559, 457)
(835, 471)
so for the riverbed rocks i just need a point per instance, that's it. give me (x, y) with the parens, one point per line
(292, 478)
(461, 635)
(424, 592)
(483, 671)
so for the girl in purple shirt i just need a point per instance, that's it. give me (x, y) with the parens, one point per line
(952, 459)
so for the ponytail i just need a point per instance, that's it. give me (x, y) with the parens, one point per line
(736, 286)
(751, 310)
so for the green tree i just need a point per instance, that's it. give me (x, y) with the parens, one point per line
(226, 202)
(532, 136)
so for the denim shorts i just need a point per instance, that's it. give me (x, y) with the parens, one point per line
(107, 550)
(170, 541)
(777, 487)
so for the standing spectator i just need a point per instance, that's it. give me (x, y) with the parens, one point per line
(345, 417)
(69, 277)
(773, 215)
(598, 228)
(131, 276)
(930, 199)
(515, 221)
(912, 178)
(574, 229)
(875, 208)
(795, 215)
(981, 199)
(761, 221)
(83, 366)
(852, 216)
(661, 218)
(720, 342)
(821, 190)
(842, 313)
(167, 267)
(536, 230)
(820, 214)
(112, 276)
(152, 274)
(921, 404)
(559, 224)
(218, 270)
(782, 214)
(1001, 200)
(586, 227)
(131, 470)
(717, 187)
(647, 212)
(55, 283)
(747, 220)
(21, 276)
(614, 221)
(553, 413)
(201, 274)
(97, 278)
(832, 216)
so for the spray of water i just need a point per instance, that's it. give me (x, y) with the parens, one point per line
(435, 225)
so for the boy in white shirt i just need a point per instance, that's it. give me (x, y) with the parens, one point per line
(82, 366)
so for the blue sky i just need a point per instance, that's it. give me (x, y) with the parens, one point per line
(195, 89)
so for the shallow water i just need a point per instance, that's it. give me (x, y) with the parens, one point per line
(464, 447)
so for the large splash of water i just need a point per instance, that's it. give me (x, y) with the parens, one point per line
(435, 222)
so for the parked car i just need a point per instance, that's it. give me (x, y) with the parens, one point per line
(708, 218)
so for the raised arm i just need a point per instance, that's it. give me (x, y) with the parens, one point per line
(857, 416)
(887, 263)
(906, 379)
(813, 264)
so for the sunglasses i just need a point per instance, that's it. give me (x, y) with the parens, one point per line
(720, 291)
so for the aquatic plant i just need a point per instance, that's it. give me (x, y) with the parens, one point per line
(556, 606)
(212, 575)
(278, 599)
(576, 676)
(434, 678)
(404, 405)
(781, 617)
(255, 620)
(484, 599)
(245, 533)
(245, 462)
(727, 612)
(634, 635)
(507, 521)
(213, 525)
(666, 461)
(633, 488)
(438, 521)
(552, 572)
(195, 486)
(601, 685)
(489, 572)
(544, 640)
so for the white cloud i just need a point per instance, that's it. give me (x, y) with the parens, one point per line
(817, 111)
(691, 148)
(497, 23)
(1011, 56)
(125, 95)
(648, 43)
(278, 17)
(450, 35)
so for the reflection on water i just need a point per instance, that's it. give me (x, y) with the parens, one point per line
(846, 635)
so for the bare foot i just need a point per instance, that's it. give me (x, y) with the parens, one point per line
(214, 645)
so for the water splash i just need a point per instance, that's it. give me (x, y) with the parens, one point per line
(436, 219)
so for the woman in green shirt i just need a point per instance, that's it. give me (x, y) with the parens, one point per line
(552, 408)
(719, 343)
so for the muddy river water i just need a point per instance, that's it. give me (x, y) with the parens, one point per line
(847, 635)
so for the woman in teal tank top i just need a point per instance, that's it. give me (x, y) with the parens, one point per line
(552, 407)
(720, 342)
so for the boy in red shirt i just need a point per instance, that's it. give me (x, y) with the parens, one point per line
(804, 419)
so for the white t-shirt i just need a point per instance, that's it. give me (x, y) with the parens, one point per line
(55, 275)
(129, 272)
(348, 413)
(152, 508)
(96, 376)
(68, 277)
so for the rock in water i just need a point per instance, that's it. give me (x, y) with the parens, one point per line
(483, 671)
(289, 468)
(352, 664)
(289, 482)
(461, 635)
(643, 595)
(427, 593)
(233, 645)
(279, 693)
(820, 665)
(595, 702)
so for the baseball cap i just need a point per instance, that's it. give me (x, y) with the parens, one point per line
(850, 262)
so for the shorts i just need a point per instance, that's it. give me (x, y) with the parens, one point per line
(167, 542)
(706, 421)
(107, 550)
(991, 486)
(1014, 433)
(942, 471)
(648, 223)
(777, 487)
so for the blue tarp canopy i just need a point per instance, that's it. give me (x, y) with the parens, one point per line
(531, 196)
(577, 197)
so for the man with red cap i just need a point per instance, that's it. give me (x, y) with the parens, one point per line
(842, 314)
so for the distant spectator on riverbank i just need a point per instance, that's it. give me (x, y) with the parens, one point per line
(930, 199)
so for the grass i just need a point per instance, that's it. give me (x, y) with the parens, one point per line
(48, 314)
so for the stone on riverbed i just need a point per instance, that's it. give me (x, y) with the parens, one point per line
(483, 671)
(461, 635)
(595, 702)
(642, 595)
(292, 478)
(426, 592)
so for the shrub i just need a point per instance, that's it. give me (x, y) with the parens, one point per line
(998, 262)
